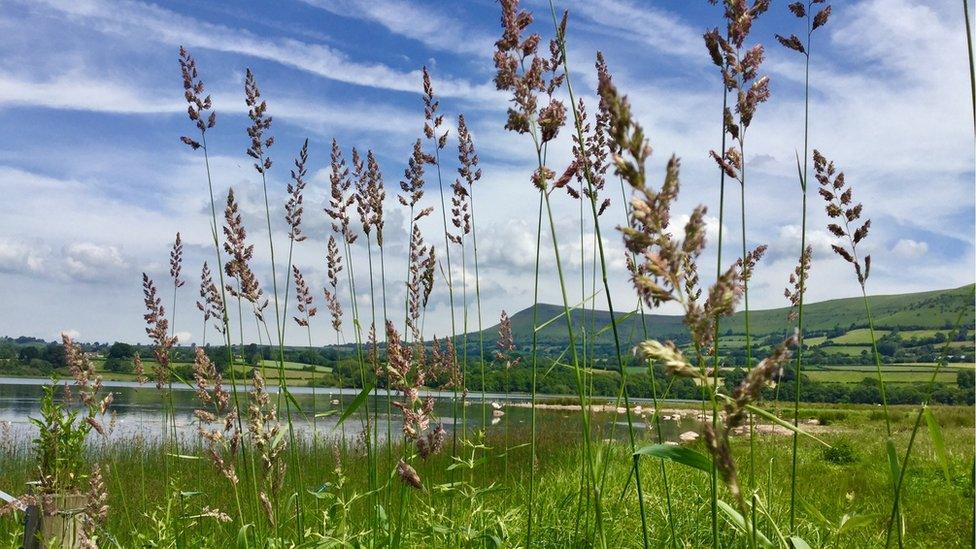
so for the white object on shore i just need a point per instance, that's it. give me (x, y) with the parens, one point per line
(688, 436)
(497, 413)
(496, 405)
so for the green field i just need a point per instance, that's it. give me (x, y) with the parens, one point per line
(856, 376)
(293, 366)
(860, 336)
(849, 350)
(814, 341)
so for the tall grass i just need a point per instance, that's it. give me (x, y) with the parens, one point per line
(245, 479)
(794, 43)
(590, 163)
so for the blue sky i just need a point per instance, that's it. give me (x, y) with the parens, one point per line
(96, 183)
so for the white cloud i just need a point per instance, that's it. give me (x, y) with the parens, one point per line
(428, 26)
(655, 27)
(20, 257)
(910, 249)
(92, 262)
(150, 22)
(80, 91)
(73, 334)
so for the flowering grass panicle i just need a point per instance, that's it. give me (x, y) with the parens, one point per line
(157, 328)
(264, 429)
(199, 106)
(257, 111)
(334, 267)
(212, 304)
(303, 296)
(217, 417)
(295, 205)
(794, 291)
(844, 213)
(176, 262)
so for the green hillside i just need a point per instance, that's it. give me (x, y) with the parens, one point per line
(841, 319)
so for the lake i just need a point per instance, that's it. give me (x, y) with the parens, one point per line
(137, 411)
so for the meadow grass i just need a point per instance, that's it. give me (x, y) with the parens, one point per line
(493, 504)
(574, 478)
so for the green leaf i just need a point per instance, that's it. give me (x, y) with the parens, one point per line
(242, 536)
(184, 456)
(354, 405)
(740, 523)
(291, 398)
(782, 423)
(797, 543)
(678, 454)
(327, 414)
(893, 461)
(813, 511)
(848, 522)
(937, 441)
(799, 173)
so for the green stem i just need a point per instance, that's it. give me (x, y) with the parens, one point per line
(606, 284)
(535, 339)
(918, 420)
(715, 365)
(972, 70)
(803, 275)
(581, 390)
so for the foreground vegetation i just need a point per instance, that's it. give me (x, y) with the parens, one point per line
(761, 474)
(844, 506)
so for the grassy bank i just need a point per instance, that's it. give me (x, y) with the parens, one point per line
(479, 499)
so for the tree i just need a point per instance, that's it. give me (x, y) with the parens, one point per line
(28, 354)
(120, 350)
(118, 365)
(966, 379)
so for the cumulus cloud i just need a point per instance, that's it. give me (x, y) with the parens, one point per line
(78, 261)
(92, 262)
(910, 249)
(19, 258)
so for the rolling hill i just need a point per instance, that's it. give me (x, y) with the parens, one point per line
(930, 310)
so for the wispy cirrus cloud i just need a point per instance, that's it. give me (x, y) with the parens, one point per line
(427, 25)
(151, 22)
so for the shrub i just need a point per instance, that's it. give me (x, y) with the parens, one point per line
(826, 417)
(842, 452)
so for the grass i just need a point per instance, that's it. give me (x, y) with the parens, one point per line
(860, 336)
(572, 479)
(891, 376)
(493, 504)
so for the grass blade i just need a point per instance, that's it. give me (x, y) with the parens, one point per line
(739, 523)
(797, 543)
(892, 460)
(678, 454)
(937, 441)
(355, 404)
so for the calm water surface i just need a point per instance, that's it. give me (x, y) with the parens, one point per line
(137, 411)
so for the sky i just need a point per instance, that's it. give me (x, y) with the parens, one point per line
(95, 182)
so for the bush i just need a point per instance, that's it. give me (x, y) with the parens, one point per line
(826, 417)
(842, 452)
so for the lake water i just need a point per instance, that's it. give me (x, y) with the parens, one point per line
(136, 411)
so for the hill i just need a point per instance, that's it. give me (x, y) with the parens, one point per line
(932, 310)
